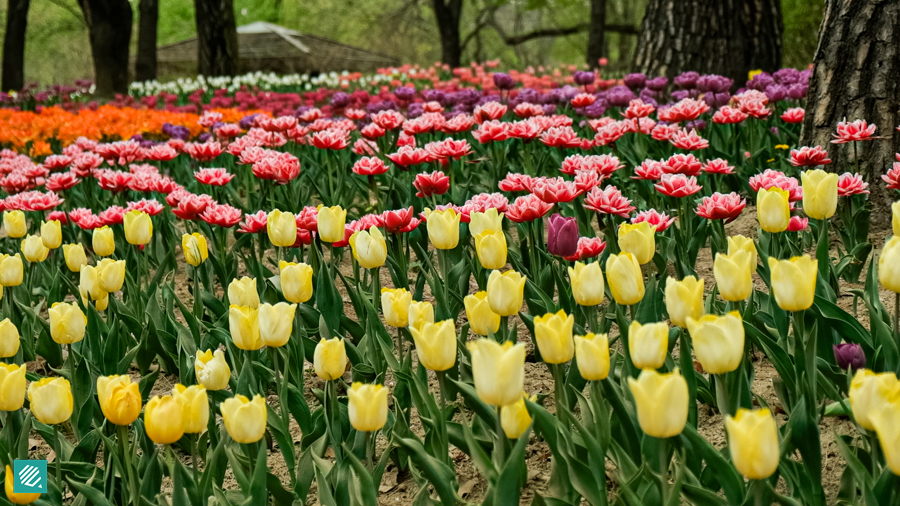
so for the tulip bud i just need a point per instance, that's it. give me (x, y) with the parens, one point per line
(75, 256)
(111, 275)
(794, 282)
(212, 370)
(244, 325)
(443, 228)
(331, 222)
(67, 323)
(103, 241)
(11, 270)
(242, 292)
(491, 249)
(562, 236)
(33, 249)
(505, 292)
(515, 419)
(369, 248)
(138, 227)
(753, 442)
(733, 275)
(773, 209)
(482, 320)
(661, 401)
(51, 400)
(196, 407)
(9, 338)
(51, 234)
(420, 313)
(869, 391)
(120, 399)
(498, 371)
(553, 333)
(648, 344)
(12, 386)
(296, 282)
(164, 419)
(245, 420)
(684, 299)
(740, 243)
(330, 359)
(490, 219)
(367, 406)
(14, 224)
(395, 304)
(889, 265)
(276, 322)
(888, 430)
(895, 217)
(849, 355)
(18, 497)
(592, 355)
(820, 193)
(718, 341)
(282, 228)
(194, 248)
(639, 239)
(626, 281)
(436, 345)
(587, 283)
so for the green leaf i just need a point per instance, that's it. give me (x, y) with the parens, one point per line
(438, 474)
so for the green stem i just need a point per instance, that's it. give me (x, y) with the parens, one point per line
(504, 329)
(442, 422)
(897, 317)
(58, 460)
(664, 469)
(129, 467)
(591, 314)
(501, 438)
(559, 385)
(193, 438)
(722, 395)
(370, 451)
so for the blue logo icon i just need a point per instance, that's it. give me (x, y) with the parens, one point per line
(30, 476)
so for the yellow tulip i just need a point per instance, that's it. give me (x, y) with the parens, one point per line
(212, 370)
(103, 241)
(740, 243)
(196, 407)
(626, 281)
(592, 355)
(587, 283)
(51, 400)
(245, 420)
(138, 227)
(395, 304)
(12, 386)
(498, 370)
(100, 305)
(33, 249)
(67, 323)
(482, 320)
(51, 234)
(164, 419)
(753, 443)
(14, 224)
(9, 338)
(895, 217)
(443, 228)
(794, 282)
(242, 292)
(436, 345)
(296, 282)
(505, 292)
(111, 274)
(553, 333)
(276, 322)
(120, 399)
(869, 391)
(889, 265)
(243, 322)
(639, 239)
(369, 248)
(367, 406)
(773, 209)
(888, 430)
(648, 344)
(820, 193)
(420, 313)
(89, 283)
(11, 270)
(491, 249)
(75, 256)
(330, 359)
(733, 275)
(282, 228)
(194, 248)
(718, 341)
(331, 222)
(515, 419)
(491, 219)
(661, 401)
(18, 497)
(684, 299)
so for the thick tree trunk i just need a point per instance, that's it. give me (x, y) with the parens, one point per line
(856, 75)
(109, 26)
(596, 33)
(447, 14)
(725, 37)
(14, 45)
(216, 37)
(145, 67)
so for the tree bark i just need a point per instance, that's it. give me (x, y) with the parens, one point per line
(856, 75)
(596, 33)
(145, 67)
(217, 46)
(447, 13)
(14, 45)
(109, 27)
(725, 37)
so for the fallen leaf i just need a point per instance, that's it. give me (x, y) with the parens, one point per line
(466, 488)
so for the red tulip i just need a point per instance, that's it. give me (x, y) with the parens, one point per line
(554, 190)
(149, 206)
(213, 177)
(721, 206)
(388, 120)
(369, 166)
(793, 115)
(397, 221)
(484, 201)
(588, 247)
(770, 178)
(527, 208)
(527, 110)
(809, 157)
(653, 217)
(683, 164)
(796, 224)
(664, 132)
(851, 184)
(308, 218)
(113, 180)
(689, 141)
(677, 185)
(113, 215)
(372, 131)
(435, 183)
(489, 111)
(892, 178)
(638, 109)
(583, 100)
(278, 167)
(491, 131)
(61, 181)
(516, 183)
(448, 149)
(611, 133)
(688, 109)
(727, 115)
(409, 156)
(608, 201)
(649, 170)
(203, 152)
(331, 139)
(192, 205)
(254, 223)
(717, 166)
(561, 137)
(855, 131)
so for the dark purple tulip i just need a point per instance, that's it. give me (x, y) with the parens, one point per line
(658, 83)
(776, 92)
(596, 109)
(716, 100)
(583, 77)
(760, 81)
(635, 81)
(246, 122)
(415, 110)
(849, 355)
(787, 76)
(204, 137)
(797, 91)
(712, 82)
(504, 81)
(619, 96)
(562, 238)
(549, 109)
(404, 93)
(340, 100)
(687, 81)
(679, 95)
(433, 95)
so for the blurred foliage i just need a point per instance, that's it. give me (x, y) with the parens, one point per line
(801, 28)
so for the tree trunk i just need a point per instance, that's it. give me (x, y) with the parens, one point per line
(109, 26)
(14, 45)
(447, 14)
(596, 33)
(145, 68)
(856, 75)
(725, 37)
(217, 46)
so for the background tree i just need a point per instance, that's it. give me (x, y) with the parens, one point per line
(217, 38)
(596, 33)
(14, 45)
(447, 14)
(109, 26)
(145, 67)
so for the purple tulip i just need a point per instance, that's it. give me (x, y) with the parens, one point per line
(776, 92)
(716, 99)
(562, 238)
(340, 100)
(583, 77)
(635, 81)
(849, 355)
(404, 93)
(712, 82)
(797, 91)
(658, 83)
(504, 81)
(687, 81)
(619, 96)
(760, 81)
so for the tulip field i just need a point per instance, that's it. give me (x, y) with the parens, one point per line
(449, 287)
